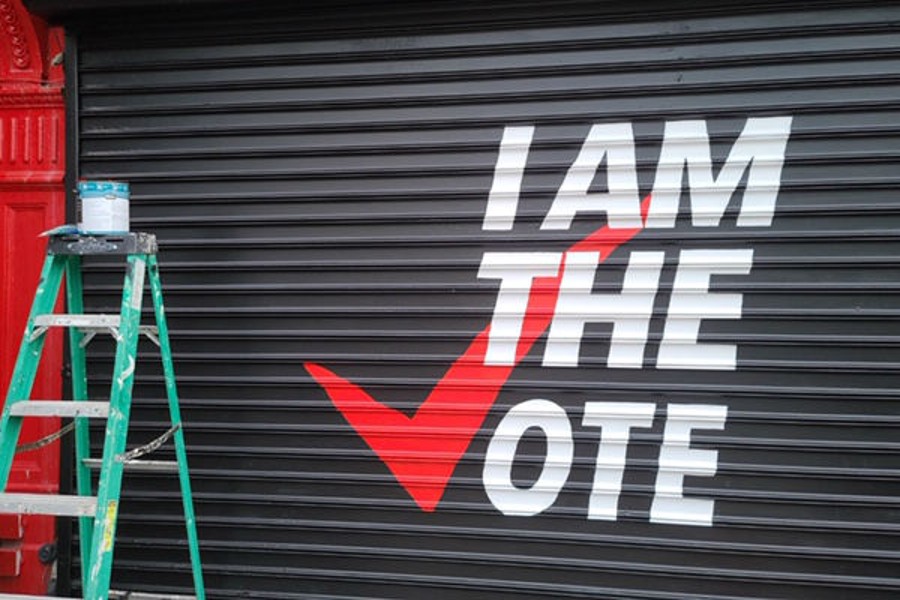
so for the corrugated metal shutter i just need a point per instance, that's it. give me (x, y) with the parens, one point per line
(318, 180)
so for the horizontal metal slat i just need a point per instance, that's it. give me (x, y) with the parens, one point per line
(143, 466)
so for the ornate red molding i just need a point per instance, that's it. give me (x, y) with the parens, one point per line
(18, 42)
(29, 98)
(23, 40)
(32, 119)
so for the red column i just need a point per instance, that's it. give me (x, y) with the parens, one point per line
(32, 199)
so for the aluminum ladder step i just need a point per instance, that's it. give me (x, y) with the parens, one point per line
(27, 597)
(91, 324)
(48, 504)
(59, 408)
(80, 320)
(143, 466)
(85, 321)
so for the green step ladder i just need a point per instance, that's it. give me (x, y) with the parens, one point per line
(97, 515)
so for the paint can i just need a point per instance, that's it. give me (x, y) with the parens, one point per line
(104, 206)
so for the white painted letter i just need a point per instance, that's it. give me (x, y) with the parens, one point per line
(503, 199)
(691, 303)
(615, 420)
(498, 461)
(677, 459)
(760, 147)
(629, 311)
(621, 202)
(516, 272)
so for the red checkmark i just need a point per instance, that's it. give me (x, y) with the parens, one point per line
(422, 451)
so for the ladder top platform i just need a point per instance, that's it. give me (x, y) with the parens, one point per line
(81, 244)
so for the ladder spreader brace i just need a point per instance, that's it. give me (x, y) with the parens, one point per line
(97, 514)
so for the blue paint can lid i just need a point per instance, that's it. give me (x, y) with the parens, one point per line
(92, 189)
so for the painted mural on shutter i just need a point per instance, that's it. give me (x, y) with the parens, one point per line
(532, 303)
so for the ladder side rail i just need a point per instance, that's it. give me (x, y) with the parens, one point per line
(175, 412)
(77, 353)
(27, 363)
(103, 541)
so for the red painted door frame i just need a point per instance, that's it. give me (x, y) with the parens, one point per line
(32, 199)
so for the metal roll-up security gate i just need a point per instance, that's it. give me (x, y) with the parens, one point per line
(490, 301)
